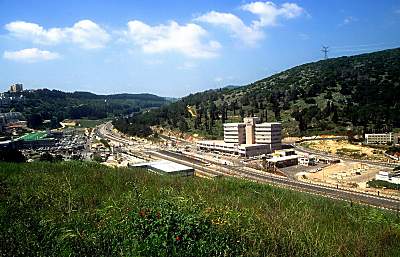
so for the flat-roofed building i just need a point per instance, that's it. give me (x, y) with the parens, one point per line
(284, 161)
(388, 177)
(235, 133)
(249, 138)
(269, 133)
(166, 167)
(16, 88)
(244, 150)
(11, 116)
(382, 138)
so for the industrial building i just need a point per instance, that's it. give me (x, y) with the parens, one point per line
(284, 161)
(382, 138)
(166, 167)
(249, 138)
(284, 158)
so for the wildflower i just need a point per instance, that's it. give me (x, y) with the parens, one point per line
(178, 238)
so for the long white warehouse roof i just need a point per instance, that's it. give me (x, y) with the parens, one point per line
(165, 166)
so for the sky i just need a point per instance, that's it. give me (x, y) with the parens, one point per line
(174, 48)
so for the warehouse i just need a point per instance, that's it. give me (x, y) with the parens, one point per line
(166, 167)
(284, 161)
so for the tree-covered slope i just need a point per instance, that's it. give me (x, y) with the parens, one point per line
(85, 209)
(359, 93)
(55, 105)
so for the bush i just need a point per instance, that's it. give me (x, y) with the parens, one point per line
(383, 184)
(11, 155)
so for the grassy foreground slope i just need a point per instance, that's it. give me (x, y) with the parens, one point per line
(83, 209)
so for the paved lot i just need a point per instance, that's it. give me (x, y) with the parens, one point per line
(293, 170)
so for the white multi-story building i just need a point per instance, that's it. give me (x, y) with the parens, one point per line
(269, 133)
(235, 133)
(249, 138)
(382, 138)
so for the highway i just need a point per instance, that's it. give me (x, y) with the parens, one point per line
(105, 130)
(330, 192)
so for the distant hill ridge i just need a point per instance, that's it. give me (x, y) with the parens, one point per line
(357, 93)
(89, 95)
(55, 105)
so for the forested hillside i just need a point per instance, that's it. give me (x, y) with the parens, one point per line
(42, 104)
(357, 94)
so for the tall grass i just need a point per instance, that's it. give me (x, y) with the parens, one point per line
(85, 209)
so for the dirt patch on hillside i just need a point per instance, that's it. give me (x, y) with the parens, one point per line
(344, 148)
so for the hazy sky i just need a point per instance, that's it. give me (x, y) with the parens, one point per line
(173, 48)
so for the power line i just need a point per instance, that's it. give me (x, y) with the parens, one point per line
(325, 50)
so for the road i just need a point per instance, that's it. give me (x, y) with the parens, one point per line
(331, 192)
(106, 131)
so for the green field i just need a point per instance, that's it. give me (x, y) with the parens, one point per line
(34, 136)
(85, 209)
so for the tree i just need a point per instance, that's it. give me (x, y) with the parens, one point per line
(183, 126)
(234, 106)
(97, 158)
(11, 155)
(54, 123)
(277, 113)
(242, 113)
(58, 158)
(35, 120)
(266, 114)
(46, 157)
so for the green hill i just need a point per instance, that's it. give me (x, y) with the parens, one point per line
(55, 105)
(84, 209)
(358, 93)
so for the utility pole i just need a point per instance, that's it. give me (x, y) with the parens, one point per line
(325, 50)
